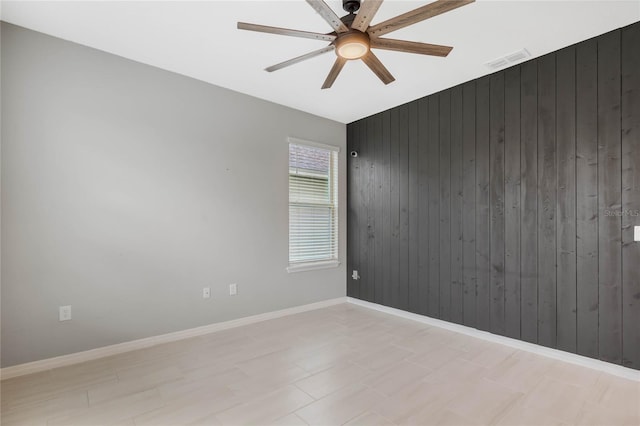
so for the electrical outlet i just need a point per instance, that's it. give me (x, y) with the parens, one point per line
(636, 233)
(206, 293)
(233, 289)
(64, 313)
(354, 275)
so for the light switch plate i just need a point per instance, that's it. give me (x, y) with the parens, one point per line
(636, 233)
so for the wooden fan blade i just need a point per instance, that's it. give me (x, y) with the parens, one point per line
(328, 15)
(335, 70)
(285, 31)
(378, 69)
(410, 47)
(420, 14)
(300, 58)
(367, 11)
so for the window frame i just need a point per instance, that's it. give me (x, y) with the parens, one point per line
(316, 264)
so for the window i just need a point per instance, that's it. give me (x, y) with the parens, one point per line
(313, 205)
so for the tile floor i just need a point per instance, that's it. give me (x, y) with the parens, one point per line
(339, 365)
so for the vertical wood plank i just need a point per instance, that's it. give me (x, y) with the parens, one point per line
(547, 200)
(483, 218)
(434, 207)
(378, 201)
(414, 227)
(423, 206)
(457, 300)
(587, 197)
(469, 202)
(610, 198)
(529, 201)
(630, 195)
(566, 209)
(403, 127)
(496, 202)
(371, 154)
(445, 205)
(394, 166)
(352, 204)
(364, 199)
(385, 199)
(512, 202)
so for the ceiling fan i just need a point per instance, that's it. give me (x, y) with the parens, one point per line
(353, 38)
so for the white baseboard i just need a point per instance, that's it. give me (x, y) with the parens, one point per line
(583, 361)
(75, 358)
(78, 357)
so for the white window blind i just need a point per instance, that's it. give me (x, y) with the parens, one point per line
(313, 204)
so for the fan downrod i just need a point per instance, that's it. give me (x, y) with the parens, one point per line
(351, 6)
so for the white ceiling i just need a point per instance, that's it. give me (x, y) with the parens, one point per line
(200, 40)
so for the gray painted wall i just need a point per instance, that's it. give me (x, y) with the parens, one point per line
(126, 189)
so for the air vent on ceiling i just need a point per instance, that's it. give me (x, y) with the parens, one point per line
(509, 59)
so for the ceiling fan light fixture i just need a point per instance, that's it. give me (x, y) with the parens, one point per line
(353, 37)
(352, 45)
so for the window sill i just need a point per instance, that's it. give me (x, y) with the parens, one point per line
(312, 266)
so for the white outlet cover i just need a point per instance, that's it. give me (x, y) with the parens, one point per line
(64, 313)
(233, 289)
(206, 293)
(636, 233)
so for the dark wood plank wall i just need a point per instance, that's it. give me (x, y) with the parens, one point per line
(630, 194)
(496, 201)
(566, 200)
(547, 202)
(512, 184)
(423, 209)
(587, 198)
(445, 205)
(433, 218)
(508, 203)
(457, 212)
(609, 199)
(469, 273)
(483, 222)
(529, 201)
